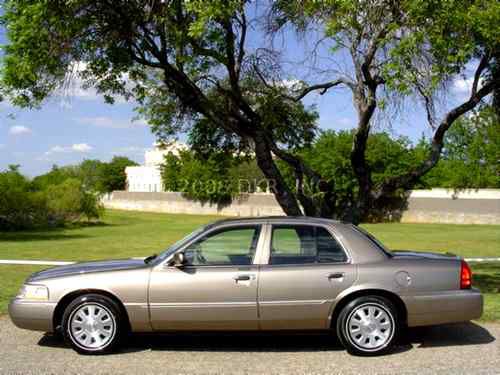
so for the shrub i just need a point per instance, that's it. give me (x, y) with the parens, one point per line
(22, 207)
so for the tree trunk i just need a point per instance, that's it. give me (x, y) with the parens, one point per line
(278, 186)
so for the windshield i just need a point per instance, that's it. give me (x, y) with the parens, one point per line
(177, 245)
(376, 242)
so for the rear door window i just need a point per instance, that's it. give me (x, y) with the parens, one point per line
(304, 244)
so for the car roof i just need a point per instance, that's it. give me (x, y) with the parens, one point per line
(276, 219)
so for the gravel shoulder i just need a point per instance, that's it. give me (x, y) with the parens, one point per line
(462, 348)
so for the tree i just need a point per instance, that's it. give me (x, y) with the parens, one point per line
(471, 155)
(19, 208)
(112, 176)
(212, 177)
(89, 173)
(189, 61)
(55, 176)
(403, 49)
(68, 201)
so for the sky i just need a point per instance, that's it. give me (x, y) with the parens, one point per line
(80, 125)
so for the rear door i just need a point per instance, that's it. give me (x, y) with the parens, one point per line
(307, 268)
(217, 287)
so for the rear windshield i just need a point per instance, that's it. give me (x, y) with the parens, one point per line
(373, 240)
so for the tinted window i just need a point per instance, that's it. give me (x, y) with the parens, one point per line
(304, 244)
(230, 246)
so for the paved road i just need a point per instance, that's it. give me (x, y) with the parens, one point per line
(465, 348)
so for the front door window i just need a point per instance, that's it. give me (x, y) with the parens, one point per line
(225, 247)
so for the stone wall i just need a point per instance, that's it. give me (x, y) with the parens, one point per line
(424, 206)
(444, 206)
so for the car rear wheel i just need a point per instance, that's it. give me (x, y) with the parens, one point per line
(92, 324)
(368, 325)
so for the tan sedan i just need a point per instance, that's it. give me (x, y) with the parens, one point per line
(276, 273)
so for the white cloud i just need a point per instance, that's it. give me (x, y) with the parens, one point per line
(108, 122)
(19, 130)
(463, 86)
(2, 146)
(77, 147)
(81, 147)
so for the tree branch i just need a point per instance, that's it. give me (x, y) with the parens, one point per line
(408, 180)
(323, 87)
(241, 44)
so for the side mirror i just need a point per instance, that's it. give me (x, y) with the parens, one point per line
(178, 260)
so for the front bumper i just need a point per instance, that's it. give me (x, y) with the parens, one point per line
(444, 307)
(33, 315)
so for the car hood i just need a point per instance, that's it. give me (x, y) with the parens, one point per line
(422, 254)
(87, 267)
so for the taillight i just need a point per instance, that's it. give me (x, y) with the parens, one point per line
(465, 276)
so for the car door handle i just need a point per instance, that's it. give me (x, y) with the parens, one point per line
(242, 278)
(336, 275)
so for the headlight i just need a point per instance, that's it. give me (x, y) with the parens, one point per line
(34, 292)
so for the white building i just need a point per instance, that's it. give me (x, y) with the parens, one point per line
(147, 177)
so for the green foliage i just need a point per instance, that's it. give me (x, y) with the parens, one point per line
(425, 42)
(69, 201)
(55, 176)
(471, 158)
(188, 65)
(330, 157)
(214, 178)
(25, 204)
(111, 176)
(94, 175)
(20, 208)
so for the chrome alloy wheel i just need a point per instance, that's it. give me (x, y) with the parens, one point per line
(370, 327)
(92, 326)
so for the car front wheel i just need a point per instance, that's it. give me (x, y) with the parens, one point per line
(368, 325)
(92, 324)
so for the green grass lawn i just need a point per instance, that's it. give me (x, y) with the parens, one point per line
(464, 240)
(126, 234)
(122, 234)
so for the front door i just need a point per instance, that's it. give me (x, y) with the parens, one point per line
(217, 287)
(307, 269)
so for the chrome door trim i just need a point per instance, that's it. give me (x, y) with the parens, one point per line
(296, 303)
(201, 304)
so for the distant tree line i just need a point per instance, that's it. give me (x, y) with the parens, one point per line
(471, 159)
(63, 196)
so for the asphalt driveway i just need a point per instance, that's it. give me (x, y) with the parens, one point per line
(465, 348)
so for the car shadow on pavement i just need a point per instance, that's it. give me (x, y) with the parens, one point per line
(445, 335)
(449, 335)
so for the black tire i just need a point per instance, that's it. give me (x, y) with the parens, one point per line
(109, 309)
(348, 317)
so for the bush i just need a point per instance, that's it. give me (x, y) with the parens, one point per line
(68, 202)
(20, 208)
(23, 207)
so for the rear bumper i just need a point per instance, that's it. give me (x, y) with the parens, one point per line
(36, 316)
(444, 307)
